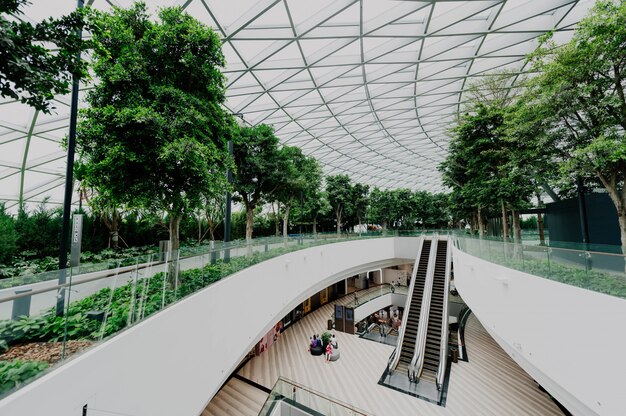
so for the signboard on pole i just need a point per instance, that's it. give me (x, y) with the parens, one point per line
(77, 236)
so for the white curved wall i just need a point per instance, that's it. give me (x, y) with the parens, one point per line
(569, 339)
(175, 361)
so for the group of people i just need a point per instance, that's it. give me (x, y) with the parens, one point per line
(316, 342)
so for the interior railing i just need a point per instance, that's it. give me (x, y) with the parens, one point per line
(597, 271)
(407, 307)
(299, 399)
(100, 301)
(443, 349)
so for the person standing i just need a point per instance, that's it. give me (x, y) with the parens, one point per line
(329, 351)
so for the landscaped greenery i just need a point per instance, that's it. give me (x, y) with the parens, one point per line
(13, 373)
(124, 305)
(562, 129)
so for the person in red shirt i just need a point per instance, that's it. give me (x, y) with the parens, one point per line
(329, 351)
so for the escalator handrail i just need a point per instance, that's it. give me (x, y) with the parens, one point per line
(443, 348)
(417, 363)
(407, 306)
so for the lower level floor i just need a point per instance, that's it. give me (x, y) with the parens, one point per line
(490, 383)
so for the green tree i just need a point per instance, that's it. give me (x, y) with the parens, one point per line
(38, 61)
(154, 136)
(315, 206)
(359, 201)
(258, 164)
(382, 206)
(482, 165)
(581, 93)
(339, 192)
(301, 177)
(8, 236)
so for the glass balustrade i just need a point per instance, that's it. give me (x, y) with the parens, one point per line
(288, 397)
(602, 272)
(100, 300)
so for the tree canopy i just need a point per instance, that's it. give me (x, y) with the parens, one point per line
(258, 168)
(32, 72)
(578, 101)
(154, 134)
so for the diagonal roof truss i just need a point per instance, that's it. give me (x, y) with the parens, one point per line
(368, 87)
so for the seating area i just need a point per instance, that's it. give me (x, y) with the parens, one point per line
(317, 345)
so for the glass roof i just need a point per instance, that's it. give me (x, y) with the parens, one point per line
(368, 87)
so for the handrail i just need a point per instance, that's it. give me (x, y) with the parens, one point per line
(106, 273)
(407, 305)
(443, 348)
(391, 359)
(417, 363)
(292, 394)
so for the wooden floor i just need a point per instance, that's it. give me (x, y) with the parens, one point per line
(489, 384)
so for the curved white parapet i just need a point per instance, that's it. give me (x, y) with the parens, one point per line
(570, 340)
(174, 362)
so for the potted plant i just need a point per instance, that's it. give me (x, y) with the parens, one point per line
(325, 338)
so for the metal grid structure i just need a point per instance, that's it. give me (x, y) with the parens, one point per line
(368, 87)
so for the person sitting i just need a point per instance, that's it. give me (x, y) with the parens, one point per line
(316, 346)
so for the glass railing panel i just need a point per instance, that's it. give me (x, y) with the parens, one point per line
(287, 394)
(598, 271)
(105, 298)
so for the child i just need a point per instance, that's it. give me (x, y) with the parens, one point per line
(329, 351)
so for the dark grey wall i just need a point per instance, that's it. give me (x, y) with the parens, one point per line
(564, 220)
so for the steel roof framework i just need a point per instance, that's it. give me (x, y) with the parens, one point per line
(368, 87)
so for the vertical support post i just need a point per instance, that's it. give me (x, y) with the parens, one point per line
(229, 179)
(301, 218)
(69, 183)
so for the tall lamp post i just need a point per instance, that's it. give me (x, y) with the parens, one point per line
(69, 182)
(229, 179)
(227, 213)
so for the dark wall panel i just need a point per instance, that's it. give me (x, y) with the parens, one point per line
(564, 220)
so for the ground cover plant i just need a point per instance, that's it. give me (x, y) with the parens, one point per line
(121, 306)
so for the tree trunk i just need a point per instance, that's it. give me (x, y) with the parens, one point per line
(505, 222)
(249, 222)
(115, 226)
(315, 226)
(517, 228)
(481, 225)
(199, 229)
(212, 231)
(173, 249)
(286, 221)
(384, 227)
(542, 236)
(621, 217)
(338, 223)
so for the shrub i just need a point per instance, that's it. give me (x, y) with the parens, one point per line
(14, 373)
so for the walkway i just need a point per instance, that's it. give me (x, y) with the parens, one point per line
(489, 384)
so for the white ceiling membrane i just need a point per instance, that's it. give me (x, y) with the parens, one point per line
(368, 87)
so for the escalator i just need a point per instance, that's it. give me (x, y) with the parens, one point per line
(412, 320)
(435, 316)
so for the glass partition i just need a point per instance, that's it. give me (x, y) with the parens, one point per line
(100, 300)
(287, 395)
(598, 271)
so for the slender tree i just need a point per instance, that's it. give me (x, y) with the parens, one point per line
(258, 164)
(339, 190)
